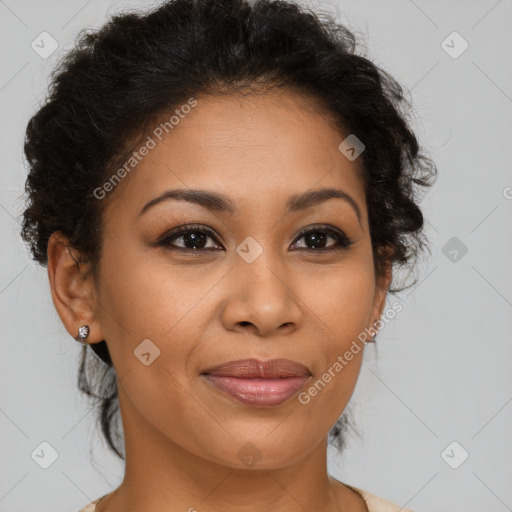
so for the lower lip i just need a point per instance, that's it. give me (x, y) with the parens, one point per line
(258, 391)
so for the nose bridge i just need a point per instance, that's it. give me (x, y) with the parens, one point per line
(263, 275)
(260, 293)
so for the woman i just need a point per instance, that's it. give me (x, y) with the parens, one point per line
(220, 191)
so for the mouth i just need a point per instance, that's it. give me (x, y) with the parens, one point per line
(259, 383)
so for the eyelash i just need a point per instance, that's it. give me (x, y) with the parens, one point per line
(342, 240)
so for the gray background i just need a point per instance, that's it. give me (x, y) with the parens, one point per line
(441, 372)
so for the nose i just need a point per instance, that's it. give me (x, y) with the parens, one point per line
(261, 299)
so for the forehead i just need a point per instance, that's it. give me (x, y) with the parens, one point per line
(254, 148)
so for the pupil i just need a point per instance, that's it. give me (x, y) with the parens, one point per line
(316, 237)
(193, 238)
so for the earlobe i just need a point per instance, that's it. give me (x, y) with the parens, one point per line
(72, 292)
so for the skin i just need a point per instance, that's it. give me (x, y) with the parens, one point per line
(181, 435)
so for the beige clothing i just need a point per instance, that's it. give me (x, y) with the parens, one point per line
(374, 503)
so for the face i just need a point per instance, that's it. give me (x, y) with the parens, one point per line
(240, 281)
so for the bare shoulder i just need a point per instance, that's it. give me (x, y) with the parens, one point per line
(91, 507)
(350, 497)
(373, 503)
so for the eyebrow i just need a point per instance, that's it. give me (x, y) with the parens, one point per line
(220, 203)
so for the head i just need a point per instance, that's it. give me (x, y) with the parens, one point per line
(277, 240)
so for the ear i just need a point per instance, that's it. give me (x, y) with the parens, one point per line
(383, 282)
(72, 291)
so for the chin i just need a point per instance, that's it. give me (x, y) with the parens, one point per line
(263, 453)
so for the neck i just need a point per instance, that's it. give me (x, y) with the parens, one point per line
(161, 475)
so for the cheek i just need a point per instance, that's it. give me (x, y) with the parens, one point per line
(147, 297)
(342, 302)
(155, 308)
(156, 311)
(341, 298)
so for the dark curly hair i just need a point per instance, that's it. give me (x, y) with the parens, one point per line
(107, 91)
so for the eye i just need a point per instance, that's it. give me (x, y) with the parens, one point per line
(318, 236)
(195, 238)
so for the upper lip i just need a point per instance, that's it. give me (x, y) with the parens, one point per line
(254, 368)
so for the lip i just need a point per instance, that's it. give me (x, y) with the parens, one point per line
(259, 383)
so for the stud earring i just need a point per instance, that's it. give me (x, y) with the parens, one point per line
(83, 332)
